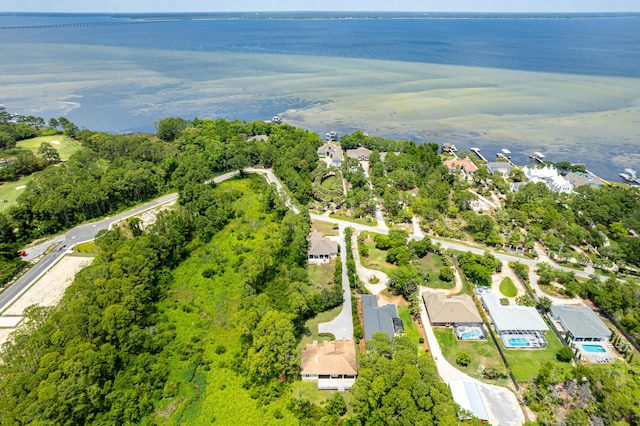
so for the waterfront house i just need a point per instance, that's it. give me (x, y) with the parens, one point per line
(466, 165)
(361, 153)
(501, 167)
(332, 152)
(580, 179)
(549, 176)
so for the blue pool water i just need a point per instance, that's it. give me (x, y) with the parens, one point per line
(593, 348)
(518, 342)
(471, 334)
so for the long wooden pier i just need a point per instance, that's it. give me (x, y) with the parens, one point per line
(476, 151)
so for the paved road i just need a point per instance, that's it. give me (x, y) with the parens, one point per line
(88, 232)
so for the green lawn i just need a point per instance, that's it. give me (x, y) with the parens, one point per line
(362, 221)
(430, 265)
(525, 363)
(483, 354)
(65, 146)
(376, 259)
(11, 190)
(321, 276)
(507, 288)
(86, 249)
(311, 327)
(410, 328)
(325, 228)
(332, 183)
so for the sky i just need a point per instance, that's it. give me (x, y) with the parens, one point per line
(319, 5)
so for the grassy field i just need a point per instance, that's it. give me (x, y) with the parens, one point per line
(86, 249)
(203, 386)
(65, 146)
(431, 264)
(525, 363)
(376, 259)
(325, 228)
(507, 288)
(321, 276)
(362, 221)
(11, 190)
(332, 183)
(483, 354)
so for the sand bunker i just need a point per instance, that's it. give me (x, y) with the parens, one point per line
(21, 187)
(55, 142)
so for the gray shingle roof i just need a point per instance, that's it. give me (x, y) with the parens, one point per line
(377, 318)
(318, 245)
(581, 321)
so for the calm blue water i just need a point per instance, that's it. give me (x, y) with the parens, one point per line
(579, 45)
(567, 45)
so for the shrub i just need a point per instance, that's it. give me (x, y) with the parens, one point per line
(565, 354)
(446, 274)
(463, 359)
(493, 372)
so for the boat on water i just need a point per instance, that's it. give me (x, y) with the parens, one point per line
(332, 136)
(538, 156)
(276, 119)
(630, 176)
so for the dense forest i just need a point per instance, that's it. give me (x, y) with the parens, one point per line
(196, 319)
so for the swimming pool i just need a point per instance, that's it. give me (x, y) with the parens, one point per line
(593, 348)
(471, 334)
(518, 342)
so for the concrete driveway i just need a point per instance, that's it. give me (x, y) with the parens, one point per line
(342, 325)
(501, 403)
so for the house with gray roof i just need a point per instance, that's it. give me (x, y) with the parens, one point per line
(446, 310)
(331, 151)
(517, 326)
(380, 318)
(580, 323)
(499, 166)
(320, 249)
(581, 179)
(361, 153)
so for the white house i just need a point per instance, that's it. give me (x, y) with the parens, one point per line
(550, 177)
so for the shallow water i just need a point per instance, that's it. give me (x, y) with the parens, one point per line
(105, 83)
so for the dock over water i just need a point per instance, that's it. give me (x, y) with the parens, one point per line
(476, 151)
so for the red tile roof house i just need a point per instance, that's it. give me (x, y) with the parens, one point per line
(466, 165)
